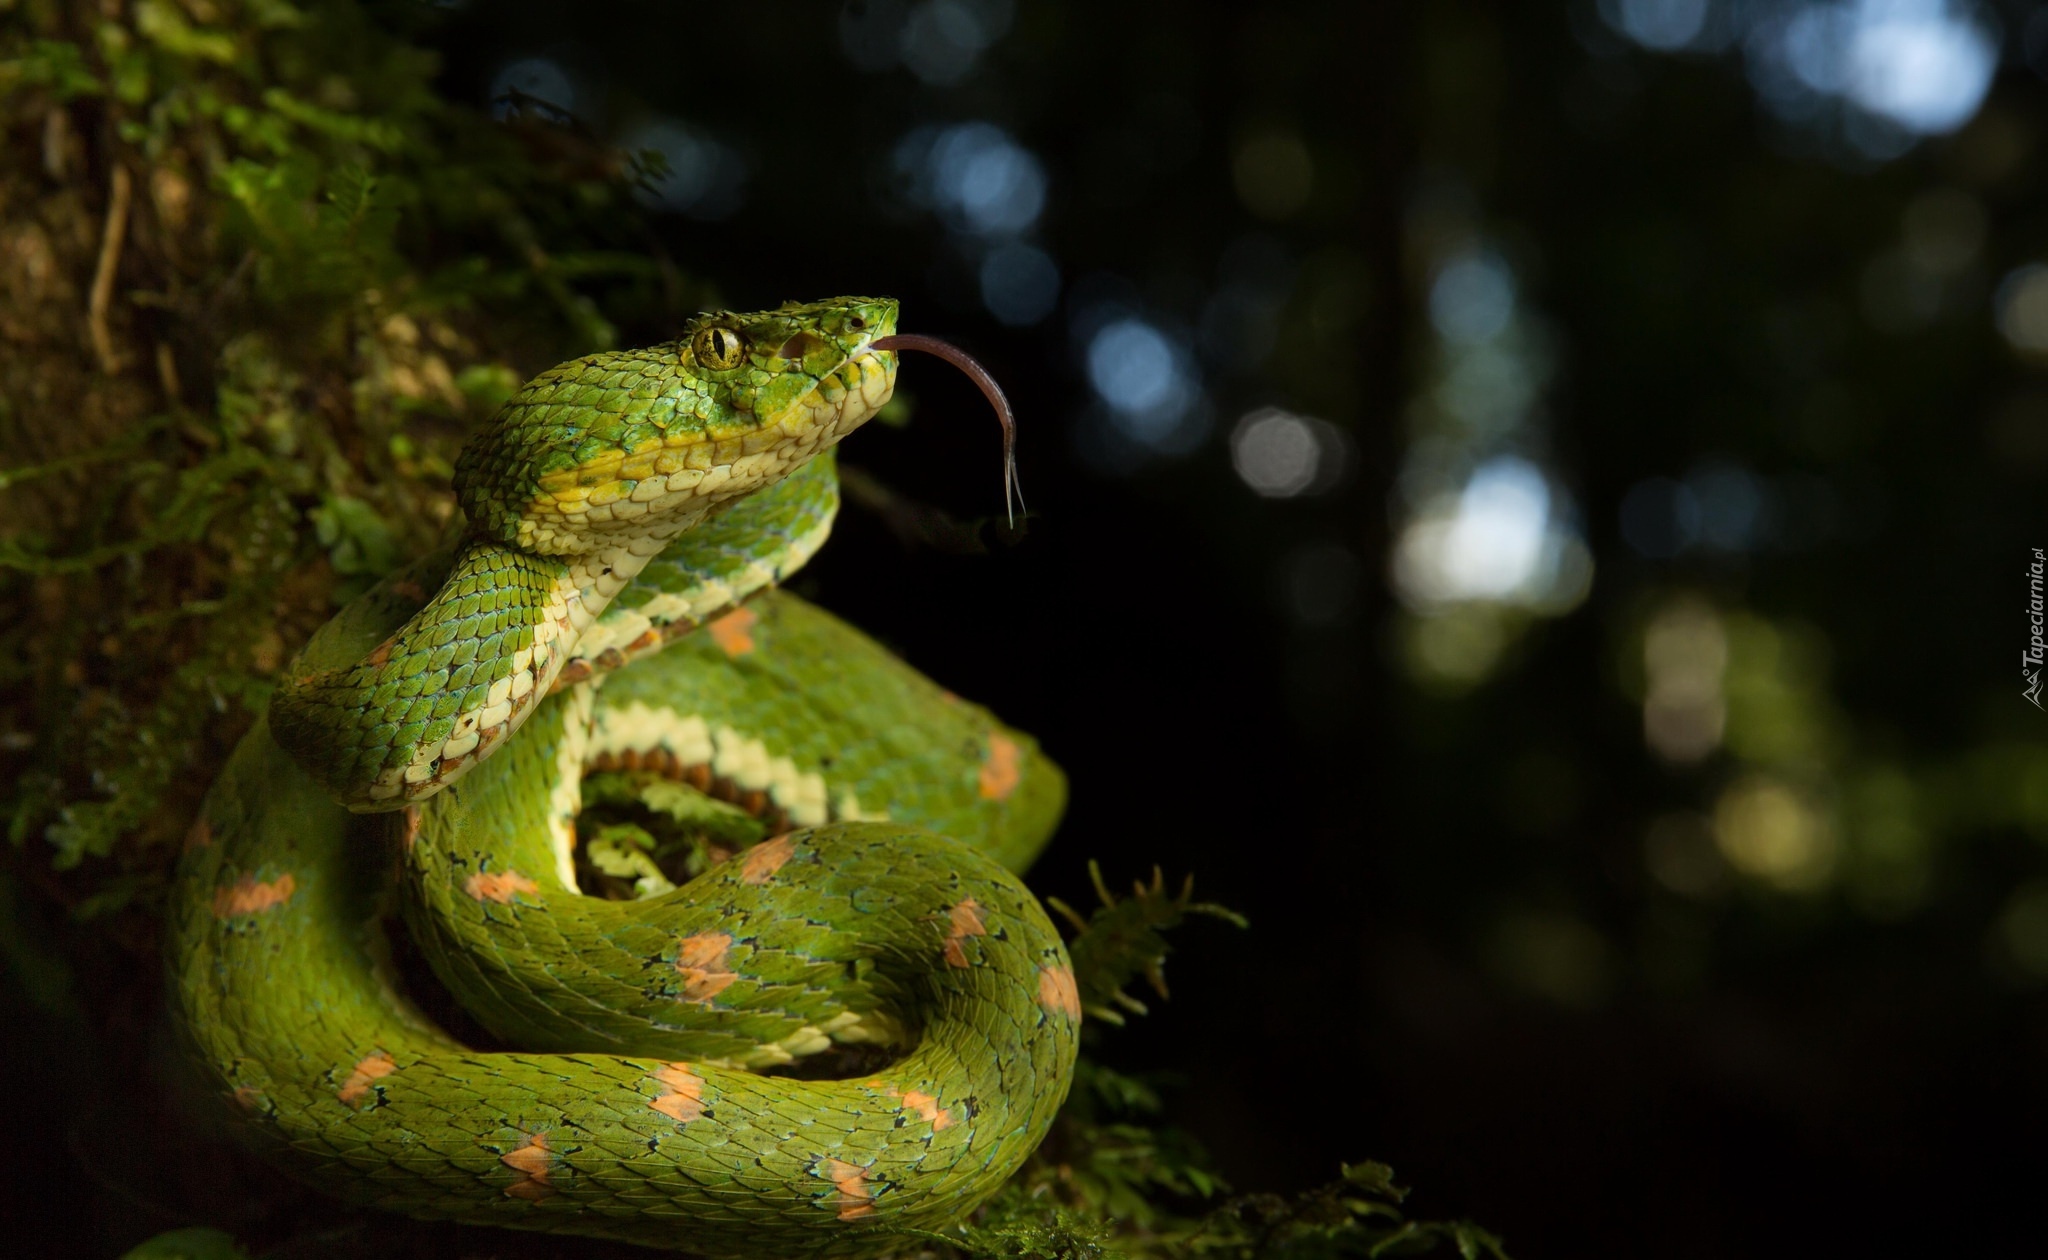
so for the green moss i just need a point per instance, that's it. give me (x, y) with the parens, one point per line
(358, 260)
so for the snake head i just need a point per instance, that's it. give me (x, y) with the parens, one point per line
(632, 444)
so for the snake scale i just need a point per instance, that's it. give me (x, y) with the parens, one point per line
(640, 1069)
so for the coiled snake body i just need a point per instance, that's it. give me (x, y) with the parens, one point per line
(616, 504)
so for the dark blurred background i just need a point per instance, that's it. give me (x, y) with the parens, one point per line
(1531, 503)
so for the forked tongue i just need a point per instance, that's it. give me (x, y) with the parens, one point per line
(1013, 494)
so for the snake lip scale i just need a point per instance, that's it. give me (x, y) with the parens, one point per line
(630, 514)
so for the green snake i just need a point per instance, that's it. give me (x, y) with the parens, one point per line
(642, 1069)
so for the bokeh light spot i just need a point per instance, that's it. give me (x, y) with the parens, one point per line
(1685, 655)
(1131, 365)
(976, 175)
(1732, 505)
(1472, 298)
(1919, 64)
(1490, 544)
(1663, 25)
(942, 40)
(699, 176)
(1772, 833)
(1019, 283)
(1501, 538)
(1148, 382)
(1281, 455)
(541, 78)
(2022, 305)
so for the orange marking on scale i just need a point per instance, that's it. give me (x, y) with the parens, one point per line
(682, 1098)
(382, 652)
(764, 859)
(409, 826)
(732, 631)
(701, 960)
(855, 1199)
(925, 1105)
(966, 922)
(928, 1107)
(247, 1096)
(249, 895)
(199, 836)
(355, 1091)
(530, 1160)
(1003, 769)
(1058, 992)
(498, 886)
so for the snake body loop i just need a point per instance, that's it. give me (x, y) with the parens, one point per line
(624, 509)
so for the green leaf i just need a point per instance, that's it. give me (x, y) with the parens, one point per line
(487, 385)
(168, 28)
(55, 64)
(375, 133)
(358, 539)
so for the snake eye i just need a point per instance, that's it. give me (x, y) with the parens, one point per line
(857, 323)
(718, 348)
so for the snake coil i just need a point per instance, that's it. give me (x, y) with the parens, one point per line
(644, 1069)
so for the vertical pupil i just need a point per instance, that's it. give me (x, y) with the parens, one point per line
(721, 346)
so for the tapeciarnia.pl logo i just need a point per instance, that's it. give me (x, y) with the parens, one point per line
(2030, 660)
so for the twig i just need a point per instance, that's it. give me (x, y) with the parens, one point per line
(56, 140)
(119, 195)
(167, 373)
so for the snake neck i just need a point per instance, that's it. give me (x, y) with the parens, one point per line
(383, 704)
(459, 677)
